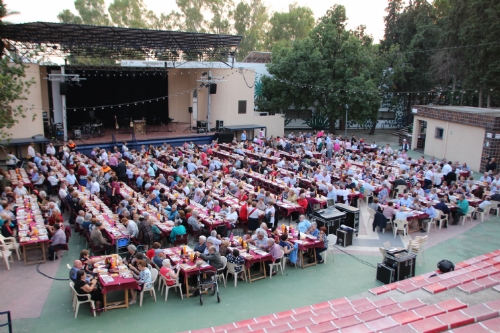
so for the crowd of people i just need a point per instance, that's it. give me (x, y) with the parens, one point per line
(304, 164)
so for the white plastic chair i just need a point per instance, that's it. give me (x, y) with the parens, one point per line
(433, 221)
(10, 244)
(400, 225)
(220, 271)
(494, 206)
(276, 264)
(77, 302)
(417, 246)
(372, 215)
(383, 251)
(231, 269)
(484, 212)
(367, 195)
(154, 276)
(332, 240)
(468, 215)
(5, 254)
(163, 285)
(442, 220)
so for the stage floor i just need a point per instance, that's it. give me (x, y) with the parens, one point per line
(154, 133)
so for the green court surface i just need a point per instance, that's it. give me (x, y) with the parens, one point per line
(343, 277)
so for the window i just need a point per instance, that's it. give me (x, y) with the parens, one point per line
(298, 114)
(439, 133)
(242, 106)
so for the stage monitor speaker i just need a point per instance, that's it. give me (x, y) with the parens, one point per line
(63, 88)
(213, 89)
(219, 124)
(190, 109)
(224, 137)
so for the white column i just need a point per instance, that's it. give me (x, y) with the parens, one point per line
(64, 117)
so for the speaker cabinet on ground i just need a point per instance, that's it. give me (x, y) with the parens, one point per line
(213, 88)
(224, 137)
(63, 88)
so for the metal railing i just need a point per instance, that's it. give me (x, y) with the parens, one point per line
(9, 320)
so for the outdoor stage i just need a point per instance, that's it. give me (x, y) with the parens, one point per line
(155, 135)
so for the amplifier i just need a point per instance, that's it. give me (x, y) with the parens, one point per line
(351, 215)
(344, 238)
(331, 219)
(402, 262)
(385, 274)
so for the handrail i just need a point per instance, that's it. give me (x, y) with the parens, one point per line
(9, 320)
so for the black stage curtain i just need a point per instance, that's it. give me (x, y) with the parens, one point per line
(111, 88)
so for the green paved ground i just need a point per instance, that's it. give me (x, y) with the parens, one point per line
(343, 277)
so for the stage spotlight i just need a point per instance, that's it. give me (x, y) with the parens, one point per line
(204, 74)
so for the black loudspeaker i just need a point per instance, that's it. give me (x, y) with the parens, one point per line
(219, 124)
(63, 88)
(190, 109)
(213, 89)
(224, 137)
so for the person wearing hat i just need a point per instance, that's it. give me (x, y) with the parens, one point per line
(405, 146)
(98, 240)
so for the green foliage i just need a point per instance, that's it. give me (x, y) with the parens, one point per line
(317, 121)
(13, 87)
(290, 26)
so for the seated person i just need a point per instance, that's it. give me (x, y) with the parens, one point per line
(177, 230)
(201, 245)
(98, 240)
(213, 257)
(170, 274)
(289, 249)
(260, 240)
(158, 259)
(323, 237)
(304, 224)
(154, 250)
(275, 251)
(143, 275)
(83, 287)
(235, 258)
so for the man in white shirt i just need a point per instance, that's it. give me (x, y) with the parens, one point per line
(429, 175)
(51, 150)
(131, 227)
(31, 150)
(95, 188)
(63, 193)
(70, 177)
(485, 178)
(232, 217)
(446, 168)
(405, 201)
(20, 190)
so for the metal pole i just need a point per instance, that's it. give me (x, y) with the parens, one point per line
(64, 120)
(209, 102)
(346, 110)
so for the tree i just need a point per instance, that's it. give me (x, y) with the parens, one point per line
(14, 86)
(250, 21)
(291, 26)
(332, 70)
(128, 13)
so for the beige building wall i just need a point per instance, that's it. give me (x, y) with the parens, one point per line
(224, 103)
(459, 143)
(275, 125)
(32, 123)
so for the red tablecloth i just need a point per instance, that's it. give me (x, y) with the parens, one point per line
(257, 258)
(118, 283)
(186, 272)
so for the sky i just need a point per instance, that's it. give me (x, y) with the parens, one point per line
(368, 12)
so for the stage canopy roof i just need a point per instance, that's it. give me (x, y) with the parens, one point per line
(79, 40)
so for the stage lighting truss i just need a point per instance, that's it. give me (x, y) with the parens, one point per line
(29, 40)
